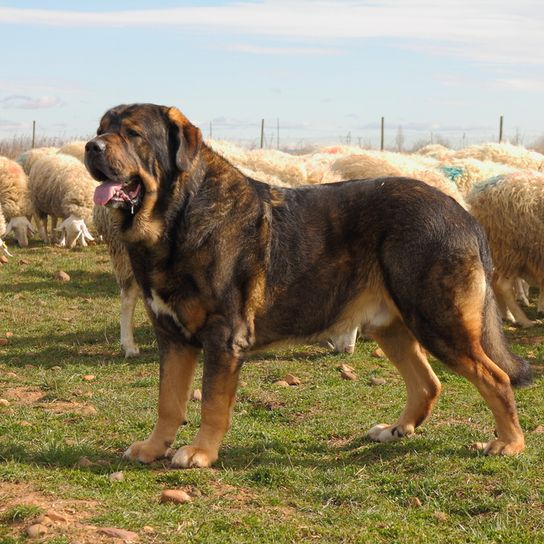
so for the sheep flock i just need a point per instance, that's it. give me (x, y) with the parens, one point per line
(502, 185)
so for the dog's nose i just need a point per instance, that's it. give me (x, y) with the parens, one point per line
(95, 146)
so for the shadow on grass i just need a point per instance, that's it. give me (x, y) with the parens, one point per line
(63, 456)
(82, 284)
(238, 458)
(76, 347)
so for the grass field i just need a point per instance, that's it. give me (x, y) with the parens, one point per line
(294, 468)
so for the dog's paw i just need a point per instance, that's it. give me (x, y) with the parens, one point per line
(389, 433)
(499, 447)
(145, 451)
(191, 457)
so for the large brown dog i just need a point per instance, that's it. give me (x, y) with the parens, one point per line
(230, 265)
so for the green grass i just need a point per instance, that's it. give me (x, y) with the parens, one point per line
(294, 468)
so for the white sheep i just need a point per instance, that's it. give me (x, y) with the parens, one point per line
(15, 201)
(74, 149)
(505, 153)
(27, 158)
(437, 151)
(130, 292)
(365, 164)
(467, 172)
(61, 187)
(511, 209)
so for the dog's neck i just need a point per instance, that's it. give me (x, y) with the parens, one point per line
(159, 213)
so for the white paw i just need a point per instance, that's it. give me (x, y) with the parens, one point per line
(191, 457)
(145, 452)
(388, 433)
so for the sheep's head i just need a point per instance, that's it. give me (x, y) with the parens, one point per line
(21, 228)
(74, 231)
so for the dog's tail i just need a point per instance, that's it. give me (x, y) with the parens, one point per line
(494, 344)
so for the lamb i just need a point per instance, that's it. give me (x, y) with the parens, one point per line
(512, 155)
(15, 201)
(61, 187)
(130, 292)
(511, 209)
(3, 246)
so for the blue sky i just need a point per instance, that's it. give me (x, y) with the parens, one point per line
(325, 69)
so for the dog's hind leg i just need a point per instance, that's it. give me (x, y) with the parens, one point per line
(422, 385)
(178, 364)
(468, 338)
(494, 386)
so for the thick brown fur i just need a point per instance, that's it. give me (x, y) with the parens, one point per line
(229, 265)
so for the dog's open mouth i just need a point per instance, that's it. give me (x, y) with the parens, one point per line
(119, 195)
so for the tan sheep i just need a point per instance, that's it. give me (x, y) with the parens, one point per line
(263, 164)
(15, 201)
(512, 155)
(371, 164)
(27, 158)
(74, 149)
(130, 292)
(511, 209)
(468, 172)
(436, 151)
(61, 187)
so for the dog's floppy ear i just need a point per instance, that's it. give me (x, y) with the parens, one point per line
(189, 139)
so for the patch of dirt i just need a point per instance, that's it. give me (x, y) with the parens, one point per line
(23, 395)
(237, 495)
(339, 442)
(68, 516)
(68, 407)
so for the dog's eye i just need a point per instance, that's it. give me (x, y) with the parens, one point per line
(99, 132)
(133, 134)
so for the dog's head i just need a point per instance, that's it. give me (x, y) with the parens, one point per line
(138, 152)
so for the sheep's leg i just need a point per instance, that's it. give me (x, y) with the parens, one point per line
(506, 314)
(505, 288)
(345, 343)
(522, 291)
(54, 221)
(129, 297)
(42, 227)
(540, 303)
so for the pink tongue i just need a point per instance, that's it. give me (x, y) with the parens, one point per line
(105, 191)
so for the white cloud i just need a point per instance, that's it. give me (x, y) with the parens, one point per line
(299, 51)
(511, 84)
(21, 102)
(493, 32)
(10, 126)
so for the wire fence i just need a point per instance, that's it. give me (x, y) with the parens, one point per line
(271, 133)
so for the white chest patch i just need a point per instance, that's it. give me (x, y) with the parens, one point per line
(159, 306)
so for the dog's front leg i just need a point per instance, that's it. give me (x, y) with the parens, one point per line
(177, 370)
(219, 383)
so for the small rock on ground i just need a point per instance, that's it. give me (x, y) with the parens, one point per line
(36, 531)
(177, 496)
(61, 275)
(291, 379)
